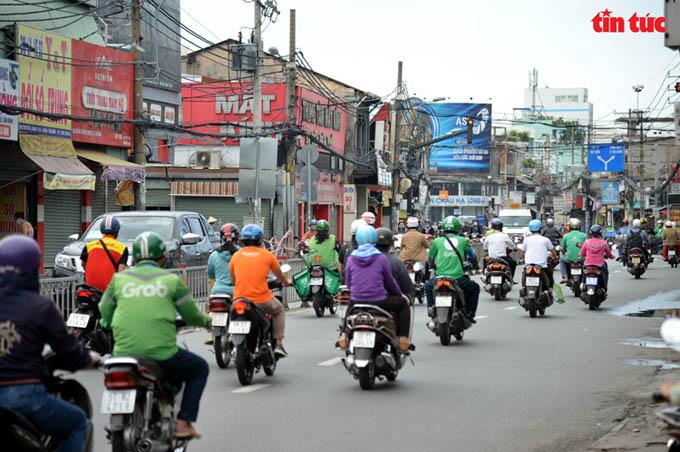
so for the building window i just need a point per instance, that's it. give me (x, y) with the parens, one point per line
(473, 188)
(572, 98)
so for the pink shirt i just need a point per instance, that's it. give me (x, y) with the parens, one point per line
(595, 250)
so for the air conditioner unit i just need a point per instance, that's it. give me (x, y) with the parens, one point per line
(207, 159)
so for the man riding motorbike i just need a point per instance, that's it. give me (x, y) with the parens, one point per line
(369, 218)
(347, 249)
(325, 245)
(658, 230)
(140, 306)
(369, 279)
(30, 321)
(448, 254)
(310, 233)
(536, 249)
(104, 257)
(399, 271)
(621, 238)
(636, 238)
(498, 243)
(551, 232)
(670, 239)
(414, 245)
(571, 247)
(595, 250)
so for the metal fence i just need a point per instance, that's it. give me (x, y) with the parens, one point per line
(62, 291)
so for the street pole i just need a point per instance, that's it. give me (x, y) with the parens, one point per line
(138, 103)
(657, 195)
(257, 101)
(395, 151)
(309, 187)
(586, 201)
(642, 170)
(292, 145)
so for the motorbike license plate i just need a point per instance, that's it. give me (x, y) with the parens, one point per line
(443, 301)
(671, 252)
(77, 320)
(412, 276)
(532, 281)
(591, 281)
(576, 271)
(316, 282)
(636, 260)
(363, 339)
(219, 318)
(496, 280)
(121, 401)
(239, 327)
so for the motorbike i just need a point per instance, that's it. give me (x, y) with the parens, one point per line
(373, 345)
(575, 276)
(498, 278)
(592, 289)
(416, 271)
(670, 333)
(533, 296)
(318, 283)
(449, 308)
(219, 305)
(637, 262)
(84, 321)
(252, 334)
(673, 256)
(20, 435)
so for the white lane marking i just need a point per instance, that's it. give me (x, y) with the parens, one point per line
(617, 271)
(510, 308)
(330, 362)
(479, 317)
(250, 388)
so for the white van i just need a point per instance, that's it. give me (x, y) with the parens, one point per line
(515, 223)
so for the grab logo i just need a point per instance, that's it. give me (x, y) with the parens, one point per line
(447, 245)
(604, 22)
(131, 290)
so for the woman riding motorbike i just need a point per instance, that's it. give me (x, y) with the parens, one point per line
(595, 250)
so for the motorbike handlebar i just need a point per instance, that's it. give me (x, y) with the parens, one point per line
(658, 397)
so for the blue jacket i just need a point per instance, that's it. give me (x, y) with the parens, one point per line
(218, 269)
(28, 321)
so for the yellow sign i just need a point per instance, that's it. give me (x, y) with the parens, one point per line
(67, 182)
(443, 194)
(45, 81)
(11, 201)
(675, 216)
(515, 205)
(125, 196)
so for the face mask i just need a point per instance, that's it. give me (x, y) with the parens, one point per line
(19, 222)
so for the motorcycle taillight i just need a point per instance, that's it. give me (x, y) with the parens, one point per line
(409, 267)
(496, 267)
(218, 306)
(317, 273)
(119, 379)
(240, 307)
(636, 251)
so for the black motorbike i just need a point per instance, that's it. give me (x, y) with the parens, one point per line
(20, 435)
(593, 292)
(219, 305)
(636, 262)
(416, 271)
(673, 256)
(534, 297)
(498, 278)
(450, 316)
(84, 321)
(322, 299)
(575, 277)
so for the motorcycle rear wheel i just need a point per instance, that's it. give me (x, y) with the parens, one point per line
(333, 306)
(444, 334)
(637, 275)
(532, 308)
(319, 310)
(593, 304)
(498, 294)
(367, 377)
(223, 349)
(244, 368)
(117, 442)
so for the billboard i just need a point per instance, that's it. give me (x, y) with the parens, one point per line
(102, 85)
(45, 80)
(9, 96)
(455, 155)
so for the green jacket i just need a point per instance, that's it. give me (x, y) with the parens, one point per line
(448, 262)
(140, 305)
(326, 250)
(570, 244)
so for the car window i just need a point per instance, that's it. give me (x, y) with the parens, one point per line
(207, 227)
(196, 228)
(184, 227)
(132, 226)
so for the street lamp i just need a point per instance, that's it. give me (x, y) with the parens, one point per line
(637, 89)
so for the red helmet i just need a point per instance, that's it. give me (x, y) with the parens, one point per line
(625, 221)
(229, 232)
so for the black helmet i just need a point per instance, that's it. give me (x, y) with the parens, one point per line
(497, 224)
(384, 237)
(596, 229)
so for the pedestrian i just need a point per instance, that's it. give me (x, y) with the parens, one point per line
(23, 226)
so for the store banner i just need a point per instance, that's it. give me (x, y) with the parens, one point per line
(45, 80)
(125, 194)
(9, 97)
(101, 87)
(113, 172)
(476, 201)
(68, 182)
(350, 198)
(12, 199)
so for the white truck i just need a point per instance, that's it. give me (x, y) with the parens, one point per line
(516, 223)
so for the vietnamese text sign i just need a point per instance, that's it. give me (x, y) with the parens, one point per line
(610, 193)
(12, 200)
(605, 157)
(350, 198)
(68, 182)
(45, 75)
(9, 96)
(675, 216)
(460, 201)
(443, 194)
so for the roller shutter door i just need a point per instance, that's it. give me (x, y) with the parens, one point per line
(98, 198)
(158, 197)
(333, 223)
(62, 218)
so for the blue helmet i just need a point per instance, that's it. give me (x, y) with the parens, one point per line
(596, 229)
(535, 225)
(251, 232)
(110, 225)
(366, 234)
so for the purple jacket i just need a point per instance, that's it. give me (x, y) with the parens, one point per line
(369, 277)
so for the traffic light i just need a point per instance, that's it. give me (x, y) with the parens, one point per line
(470, 123)
(677, 87)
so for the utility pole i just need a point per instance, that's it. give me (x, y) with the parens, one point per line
(138, 104)
(657, 195)
(395, 150)
(289, 186)
(257, 101)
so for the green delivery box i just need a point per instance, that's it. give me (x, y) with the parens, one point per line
(301, 283)
(332, 281)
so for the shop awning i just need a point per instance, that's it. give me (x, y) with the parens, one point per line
(57, 158)
(114, 168)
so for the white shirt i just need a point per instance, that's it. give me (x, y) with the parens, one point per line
(497, 244)
(537, 249)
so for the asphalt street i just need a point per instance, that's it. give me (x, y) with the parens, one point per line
(513, 384)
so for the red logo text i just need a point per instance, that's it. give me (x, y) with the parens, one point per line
(604, 22)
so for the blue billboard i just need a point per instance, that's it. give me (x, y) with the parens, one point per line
(455, 155)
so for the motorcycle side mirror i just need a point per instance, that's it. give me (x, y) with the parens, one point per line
(670, 332)
(285, 268)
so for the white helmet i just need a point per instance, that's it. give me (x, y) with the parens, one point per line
(412, 222)
(354, 227)
(636, 223)
(368, 217)
(659, 222)
(574, 223)
(669, 224)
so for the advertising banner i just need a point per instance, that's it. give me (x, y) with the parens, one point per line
(68, 182)
(102, 82)
(477, 201)
(12, 199)
(675, 216)
(9, 96)
(322, 118)
(350, 198)
(45, 80)
(455, 155)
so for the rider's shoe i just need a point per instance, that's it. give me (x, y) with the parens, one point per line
(342, 341)
(280, 351)
(404, 343)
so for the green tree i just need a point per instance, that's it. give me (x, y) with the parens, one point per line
(523, 135)
(528, 162)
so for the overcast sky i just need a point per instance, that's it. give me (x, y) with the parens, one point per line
(463, 48)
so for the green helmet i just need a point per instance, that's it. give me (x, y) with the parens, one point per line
(451, 224)
(322, 225)
(148, 245)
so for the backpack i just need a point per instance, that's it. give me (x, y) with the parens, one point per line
(634, 240)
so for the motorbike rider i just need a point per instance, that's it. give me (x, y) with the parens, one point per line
(29, 322)
(636, 238)
(250, 268)
(498, 243)
(310, 233)
(369, 279)
(571, 247)
(595, 250)
(414, 245)
(140, 305)
(551, 232)
(369, 218)
(621, 237)
(448, 253)
(399, 271)
(658, 230)
(347, 249)
(670, 239)
(325, 245)
(104, 257)
(536, 249)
